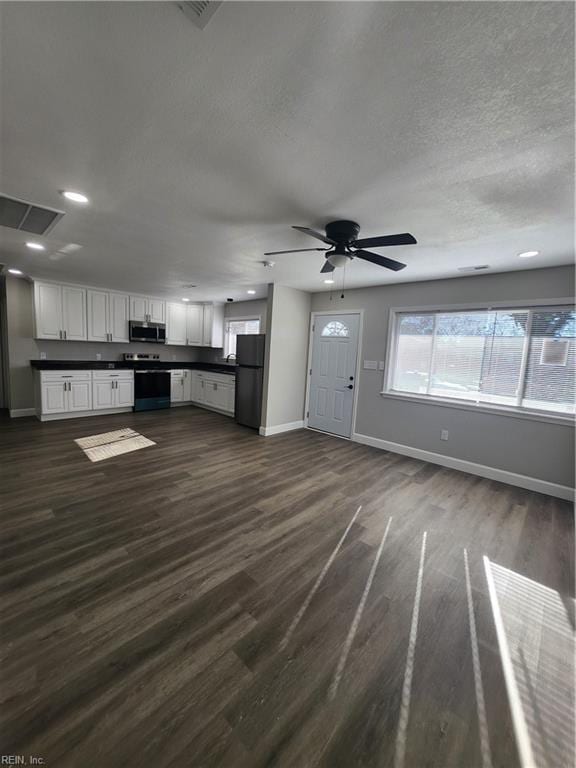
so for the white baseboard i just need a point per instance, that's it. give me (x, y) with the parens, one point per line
(83, 414)
(267, 431)
(491, 473)
(16, 413)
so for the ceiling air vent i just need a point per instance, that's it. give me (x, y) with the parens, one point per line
(201, 11)
(27, 217)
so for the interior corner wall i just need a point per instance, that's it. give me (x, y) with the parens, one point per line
(22, 347)
(536, 449)
(287, 337)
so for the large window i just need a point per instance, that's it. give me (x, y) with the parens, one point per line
(239, 326)
(520, 358)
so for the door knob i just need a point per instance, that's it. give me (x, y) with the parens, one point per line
(350, 386)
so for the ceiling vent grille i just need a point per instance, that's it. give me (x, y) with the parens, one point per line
(200, 11)
(27, 217)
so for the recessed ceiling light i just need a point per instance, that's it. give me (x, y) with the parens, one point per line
(251, 292)
(76, 197)
(185, 299)
(528, 254)
(328, 282)
(15, 272)
(36, 246)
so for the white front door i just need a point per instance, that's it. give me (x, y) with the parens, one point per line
(332, 381)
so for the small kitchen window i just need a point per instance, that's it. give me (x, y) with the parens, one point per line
(238, 326)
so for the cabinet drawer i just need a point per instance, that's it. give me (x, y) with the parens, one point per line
(112, 375)
(220, 378)
(46, 376)
(177, 374)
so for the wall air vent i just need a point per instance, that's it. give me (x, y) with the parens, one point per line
(27, 217)
(200, 11)
(477, 268)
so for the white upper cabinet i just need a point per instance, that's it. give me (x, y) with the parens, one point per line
(205, 325)
(98, 311)
(74, 313)
(138, 309)
(176, 323)
(207, 333)
(156, 311)
(118, 318)
(48, 310)
(213, 325)
(195, 324)
(60, 312)
(147, 310)
(107, 316)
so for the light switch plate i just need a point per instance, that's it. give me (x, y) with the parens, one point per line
(381, 365)
(42, 355)
(370, 365)
(98, 356)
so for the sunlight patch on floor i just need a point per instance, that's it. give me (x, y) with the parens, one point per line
(110, 444)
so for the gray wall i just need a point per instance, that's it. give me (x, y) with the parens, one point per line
(538, 449)
(287, 332)
(253, 308)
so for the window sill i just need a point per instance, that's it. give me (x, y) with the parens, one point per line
(498, 410)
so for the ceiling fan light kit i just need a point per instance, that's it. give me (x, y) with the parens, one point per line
(341, 237)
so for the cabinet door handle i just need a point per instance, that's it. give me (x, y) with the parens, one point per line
(64, 335)
(215, 386)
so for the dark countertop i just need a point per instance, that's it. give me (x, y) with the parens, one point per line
(104, 365)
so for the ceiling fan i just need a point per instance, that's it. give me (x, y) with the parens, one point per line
(342, 239)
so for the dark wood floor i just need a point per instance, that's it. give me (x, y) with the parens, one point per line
(157, 607)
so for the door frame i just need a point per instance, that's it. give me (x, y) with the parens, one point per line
(313, 316)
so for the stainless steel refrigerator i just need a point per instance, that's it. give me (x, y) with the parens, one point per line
(249, 379)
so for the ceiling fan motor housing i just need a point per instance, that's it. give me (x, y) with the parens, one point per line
(343, 231)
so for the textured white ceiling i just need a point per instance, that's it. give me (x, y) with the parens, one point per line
(199, 149)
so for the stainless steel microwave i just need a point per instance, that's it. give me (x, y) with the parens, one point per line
(152, 332)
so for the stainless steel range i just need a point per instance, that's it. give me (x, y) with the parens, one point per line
(151, 385)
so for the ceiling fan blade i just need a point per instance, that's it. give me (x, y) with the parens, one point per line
(301, 250)
(382, 261)
(317, 235)
(379, 242)
(327, 268)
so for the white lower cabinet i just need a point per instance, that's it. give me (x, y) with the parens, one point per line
(65, 392)
(213, 390)
(83, 392)
(80, 395)
(177, 389)
(181, 386)
(54, 397)
(112, 389)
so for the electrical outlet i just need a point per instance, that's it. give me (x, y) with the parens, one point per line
(173, 357)
(444, 434)
(98, 356)
(42, 355)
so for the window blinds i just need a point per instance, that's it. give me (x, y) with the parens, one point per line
(235, 327)
(522, 358)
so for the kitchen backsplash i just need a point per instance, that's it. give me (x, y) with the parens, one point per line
(88, 350)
